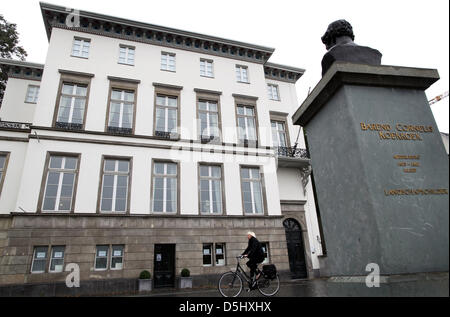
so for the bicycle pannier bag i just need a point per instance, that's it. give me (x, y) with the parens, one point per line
(270, 271)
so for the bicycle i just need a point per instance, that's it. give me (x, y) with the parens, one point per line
(231, 283)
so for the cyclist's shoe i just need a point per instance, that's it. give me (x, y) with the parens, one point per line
(251, 286)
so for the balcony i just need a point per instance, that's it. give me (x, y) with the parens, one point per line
(19, 126)
(292, 157)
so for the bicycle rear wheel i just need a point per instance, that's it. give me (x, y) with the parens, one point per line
(230, 284)
(268, 287)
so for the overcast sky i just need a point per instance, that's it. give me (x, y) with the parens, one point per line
(407, 32)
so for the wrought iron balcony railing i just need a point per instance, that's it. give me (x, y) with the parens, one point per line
(292, 152)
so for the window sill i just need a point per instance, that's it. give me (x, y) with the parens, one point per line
(243, 82)
(168, 70)
(82, 57)
(125, 64)
(205, 76)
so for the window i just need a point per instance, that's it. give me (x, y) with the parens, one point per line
(101, 257)
(220, 254)
(252, 193)
(206, 68)
(210, 189)
(207, 254)
(32, 94)
(208, 114)
(265, 247)
(72, 105)
(164, 195)
(117, 257)
(39, 259)
(126, 55)
(121, 108)
(246, 120)
(214, 254)
(272, 90)
(242, 74)
(167, 61)
(278, 134)
(61, 174)
(166, 115)
(80, 47)
(166, 111)
(4, 158)
(115, 183)
(57, 259)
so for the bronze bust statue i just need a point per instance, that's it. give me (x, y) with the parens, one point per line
(338, 40)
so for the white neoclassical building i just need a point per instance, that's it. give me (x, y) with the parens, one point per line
(141, 147)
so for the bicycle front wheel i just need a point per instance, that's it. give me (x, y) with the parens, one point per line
(230, 284)
(268, 287)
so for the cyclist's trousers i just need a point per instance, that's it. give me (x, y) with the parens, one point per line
(252, 264)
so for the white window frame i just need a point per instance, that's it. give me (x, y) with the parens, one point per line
(167, 58)
(129, 57)
(242, 70)
(114, 256)
(34, 259)
(116, 173)
(223, 254)
(211, 250)
(61, 172)
(165, 176)
(166, 108)
(97, 257)
(213, 247)
(122, 103)
(73, 96)
(209, 113)
(246, 118)
(56, 258)
(210, 178)
(252, 180)
(273, 92)
(83, 43)
(278, 133)
(32, 94)
(204, 63)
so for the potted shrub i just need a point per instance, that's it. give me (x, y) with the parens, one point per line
(185, 279)
(145, 281)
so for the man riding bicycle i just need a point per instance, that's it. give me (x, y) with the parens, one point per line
(255, 254)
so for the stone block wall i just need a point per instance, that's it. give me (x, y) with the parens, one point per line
(81, 233)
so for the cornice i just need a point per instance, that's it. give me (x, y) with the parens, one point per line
(282, 72)
(22, 69)
(104, 25)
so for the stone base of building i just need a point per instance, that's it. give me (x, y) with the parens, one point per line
(81, 234)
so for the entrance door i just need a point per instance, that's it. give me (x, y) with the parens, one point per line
(295, 246)
(164, 265)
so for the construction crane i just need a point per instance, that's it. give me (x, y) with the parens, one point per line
(438, 98)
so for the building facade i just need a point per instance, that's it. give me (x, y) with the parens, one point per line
(139, 147)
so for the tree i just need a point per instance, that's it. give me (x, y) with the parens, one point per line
(9, 40)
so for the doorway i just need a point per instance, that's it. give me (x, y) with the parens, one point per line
(164, 265)
(296, 248)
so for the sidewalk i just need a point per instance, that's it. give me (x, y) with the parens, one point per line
(410, 285)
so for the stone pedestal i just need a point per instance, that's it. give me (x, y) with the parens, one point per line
(380, 170)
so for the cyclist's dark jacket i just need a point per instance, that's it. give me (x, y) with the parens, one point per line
(254, 250)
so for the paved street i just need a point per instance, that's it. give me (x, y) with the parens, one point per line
(418, 285)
